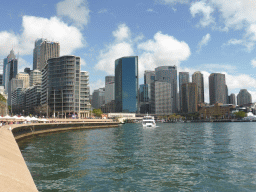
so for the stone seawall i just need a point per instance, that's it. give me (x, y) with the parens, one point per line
(26, 130)
(14, 173)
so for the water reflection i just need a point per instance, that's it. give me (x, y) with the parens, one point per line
(171, 157)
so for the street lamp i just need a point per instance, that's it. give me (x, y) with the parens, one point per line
(40, 114)
(23, 112)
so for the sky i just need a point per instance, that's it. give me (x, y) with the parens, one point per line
(213, 36)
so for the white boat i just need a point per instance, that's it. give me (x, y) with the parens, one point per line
(148, 121)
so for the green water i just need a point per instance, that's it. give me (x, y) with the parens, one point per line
(171, 157)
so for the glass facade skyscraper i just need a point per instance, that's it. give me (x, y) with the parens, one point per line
(126, 84)
(183, 78)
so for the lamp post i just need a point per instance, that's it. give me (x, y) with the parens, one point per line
(23, 112)
(40, 114)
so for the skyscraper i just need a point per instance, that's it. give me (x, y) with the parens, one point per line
(109, 89)
(244, 97)
(35, 77)
(10, 57)
(183, 78)
(109, 79)
(36, 53)
(61, 86)
(25, 77)
(217, 88)
(198, 79)
(85, 105)
(232, 99)
(126, 84)
(11, 72)
(149, 77)
(189, 98)
(161, 98)
(12, 85)
(98, 98)
(43, 51)
(169, 74)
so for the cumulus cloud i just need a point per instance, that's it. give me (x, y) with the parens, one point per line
(253, 63)
(121, 47)
(122, 33)
(75, 10)
(162, 50)
(22, 63)
(83, 62)
(53, 29)
(242, 81)
(111, 53)
(205, 10)
(204, 41)
(69, 37)
(8, 41)
(236, 13)
(215, 68)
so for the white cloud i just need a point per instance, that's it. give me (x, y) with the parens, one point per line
(53, 29)
(201, 7)
(235, 42)
(151, 10)
(217, 68)
(242, 81)
(110, 54)
(8, 41)
(96, 85)
(204, 41)
(82, 61)
(253, 63)
(120, 48)
(22, 64)
(76, 10)
(162, 50)
(236, 13)
(171, 2)
(122, 33)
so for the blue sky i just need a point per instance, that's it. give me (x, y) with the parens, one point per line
(207, 36)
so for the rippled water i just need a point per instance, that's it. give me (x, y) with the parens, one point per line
(171, 157)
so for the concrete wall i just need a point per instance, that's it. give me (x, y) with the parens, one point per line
(14, 173)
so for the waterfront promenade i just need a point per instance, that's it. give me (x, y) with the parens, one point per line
(14, 174)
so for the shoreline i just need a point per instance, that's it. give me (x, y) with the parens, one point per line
(14, 173)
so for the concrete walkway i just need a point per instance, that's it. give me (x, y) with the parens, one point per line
(14, 173)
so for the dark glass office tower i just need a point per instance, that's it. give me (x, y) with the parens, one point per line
(183, 78)
(126, 84)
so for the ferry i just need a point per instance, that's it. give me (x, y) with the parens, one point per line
(148, 121)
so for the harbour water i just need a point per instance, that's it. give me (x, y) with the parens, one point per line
(170, 157)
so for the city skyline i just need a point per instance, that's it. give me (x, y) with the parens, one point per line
(193, 35)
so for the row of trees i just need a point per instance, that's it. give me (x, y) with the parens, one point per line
(195, 116)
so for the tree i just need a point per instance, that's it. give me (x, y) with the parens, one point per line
(42, 109)
(240, 114)
(2, 98)
(97, 112)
